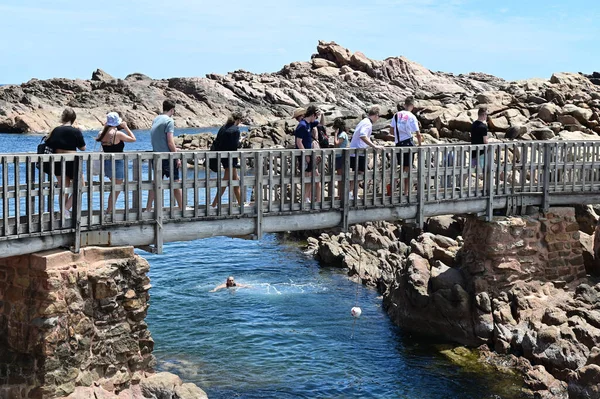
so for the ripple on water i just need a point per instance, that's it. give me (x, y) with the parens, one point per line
(288, 336)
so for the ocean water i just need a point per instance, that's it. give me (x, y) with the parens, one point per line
(290, 335)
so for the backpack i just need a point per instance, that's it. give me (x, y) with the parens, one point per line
(322, 136)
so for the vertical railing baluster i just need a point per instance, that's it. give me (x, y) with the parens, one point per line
(5, 204)
(345, 195)
(207, 196)
(271, 189)
(158, 202)
(196, 186)
(77, 186)
(258, 189)
(126, 186)
(420, 187)
(17, 175)
(29, 197)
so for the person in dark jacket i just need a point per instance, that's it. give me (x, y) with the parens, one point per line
(228, 139)
(65, 139)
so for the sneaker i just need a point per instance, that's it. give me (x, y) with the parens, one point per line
(307, 200)
(67, 214)
(189, 208)
(351, 195)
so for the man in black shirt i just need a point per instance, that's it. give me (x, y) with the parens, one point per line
(479, 133)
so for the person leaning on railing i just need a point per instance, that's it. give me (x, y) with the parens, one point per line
(113, 142)
(402, 127)
(65, 139)
(361, 139)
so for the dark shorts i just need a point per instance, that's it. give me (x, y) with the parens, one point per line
(166, 169)
(309, 165)
(225, 162)
(339, 163)
(69, 169)
(361, 163)
(406, 157)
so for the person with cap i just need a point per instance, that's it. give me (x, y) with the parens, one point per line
(307, 121)
(113, 137)
(402, 127)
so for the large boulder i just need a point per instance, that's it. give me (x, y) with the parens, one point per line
(548, 112)
(445, 225)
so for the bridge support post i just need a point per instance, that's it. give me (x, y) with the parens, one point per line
(258, 189)
(546, 188)
(490, 183)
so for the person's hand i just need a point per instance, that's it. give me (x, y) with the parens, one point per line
(123, 125)
(179, 163)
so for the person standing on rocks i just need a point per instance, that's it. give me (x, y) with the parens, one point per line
(161, 133)
(479, 131)
(228, 139)
(65, 139)
(113, 141)
(340, 140)
(403, 126)
(308, 121)
(362, 139)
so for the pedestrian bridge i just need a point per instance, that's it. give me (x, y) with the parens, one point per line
(441, 180)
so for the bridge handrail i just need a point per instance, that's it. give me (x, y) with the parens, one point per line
(514, 172)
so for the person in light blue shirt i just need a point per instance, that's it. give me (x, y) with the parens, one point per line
(161, 133)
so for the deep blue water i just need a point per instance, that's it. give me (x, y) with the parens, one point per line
(289, 336)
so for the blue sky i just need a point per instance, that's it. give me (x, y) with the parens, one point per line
(511, 39)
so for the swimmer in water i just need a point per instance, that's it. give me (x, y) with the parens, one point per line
(229, 283)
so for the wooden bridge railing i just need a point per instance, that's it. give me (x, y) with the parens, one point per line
(507, 175)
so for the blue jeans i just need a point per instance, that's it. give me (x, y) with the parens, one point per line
(119, 172)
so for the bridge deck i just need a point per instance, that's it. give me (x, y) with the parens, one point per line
(441, 180)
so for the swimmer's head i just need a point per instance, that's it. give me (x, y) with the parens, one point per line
(230, 282)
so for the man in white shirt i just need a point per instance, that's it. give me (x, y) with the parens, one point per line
(404, 124)
(362, 139)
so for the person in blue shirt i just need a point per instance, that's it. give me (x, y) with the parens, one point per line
(305, 140)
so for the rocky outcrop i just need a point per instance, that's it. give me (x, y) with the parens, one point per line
(73, 324)
(342, 81)
(515, 285)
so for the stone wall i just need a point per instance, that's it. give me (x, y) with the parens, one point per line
(69, 320)
(541, 247)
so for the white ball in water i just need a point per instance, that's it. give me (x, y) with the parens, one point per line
(356, 312)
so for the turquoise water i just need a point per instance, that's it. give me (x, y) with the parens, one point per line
(290, 335)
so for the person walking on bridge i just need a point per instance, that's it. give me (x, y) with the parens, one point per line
(479, 131)
(362, 139)
(161, 133)
(65, 139)
(113, 137)
(308, 120)
(403, 126)
(228, 139)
